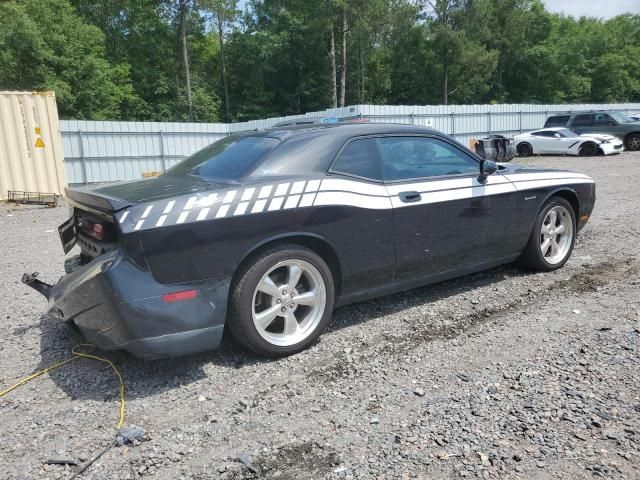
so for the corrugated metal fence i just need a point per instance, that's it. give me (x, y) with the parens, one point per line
(111, 151)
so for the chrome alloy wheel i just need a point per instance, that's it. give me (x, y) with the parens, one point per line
(289, 302)
(556, 235)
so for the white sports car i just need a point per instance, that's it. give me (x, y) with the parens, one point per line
(566, 142)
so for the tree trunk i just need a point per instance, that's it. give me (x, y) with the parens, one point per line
(334, 76)
(223, 64)
(445, 84)
(343, 71)
(184, 6)
(362, 72)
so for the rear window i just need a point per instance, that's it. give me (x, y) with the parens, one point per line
(228, 159)
(557, 121)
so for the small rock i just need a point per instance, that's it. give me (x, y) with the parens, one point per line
(61, 461)
(419, 392)
(245, 459)
(374, 421)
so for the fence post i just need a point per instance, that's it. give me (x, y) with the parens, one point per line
(411, 116)
(489, 123)
(164, 160)
(453, 124)
(520, 121)
(83, 165)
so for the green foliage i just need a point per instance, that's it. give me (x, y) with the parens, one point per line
(123, 59)
(44, 44)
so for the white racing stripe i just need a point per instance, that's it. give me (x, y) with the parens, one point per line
(519, 177)
(342, 185)
(437, 185)
(530, 184)
(455, 194)
(352, 199)
(341, 192)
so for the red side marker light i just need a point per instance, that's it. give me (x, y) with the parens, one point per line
(179, 296)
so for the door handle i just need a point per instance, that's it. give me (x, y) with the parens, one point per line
(410, 197)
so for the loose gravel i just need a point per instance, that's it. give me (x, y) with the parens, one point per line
(501, 374)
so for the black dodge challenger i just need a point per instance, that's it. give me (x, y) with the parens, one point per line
(265, 232)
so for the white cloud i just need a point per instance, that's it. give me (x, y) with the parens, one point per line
(593, 8)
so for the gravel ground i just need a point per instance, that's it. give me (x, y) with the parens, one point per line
(502, 374)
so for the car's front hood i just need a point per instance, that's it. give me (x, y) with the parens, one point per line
(597, 137)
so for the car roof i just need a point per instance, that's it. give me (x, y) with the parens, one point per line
(347, 129)
(564, 114)
(318, 144)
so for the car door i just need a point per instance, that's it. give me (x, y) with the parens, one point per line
(444, 217)
(583, 123)
(606, 124)
(546, 142)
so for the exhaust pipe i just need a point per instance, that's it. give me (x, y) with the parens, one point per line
(30, 280)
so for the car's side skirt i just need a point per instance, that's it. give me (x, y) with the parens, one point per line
(389, 289)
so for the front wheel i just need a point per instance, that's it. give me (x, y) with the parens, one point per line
(281, 301)
(588, 150)
(552, 238)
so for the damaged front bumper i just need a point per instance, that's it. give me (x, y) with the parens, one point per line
(117, 305)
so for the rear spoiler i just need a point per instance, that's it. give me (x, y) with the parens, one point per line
(97, 202)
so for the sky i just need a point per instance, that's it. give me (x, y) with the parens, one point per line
(593, 8)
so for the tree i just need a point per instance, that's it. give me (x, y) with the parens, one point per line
(183, 9)
(173, 60)
(224, 13)
(65, 55)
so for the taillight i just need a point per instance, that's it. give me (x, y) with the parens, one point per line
(179, 296)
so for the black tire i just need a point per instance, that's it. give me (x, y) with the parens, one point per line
(532, 256)
(632, 142)
(240, 319)
(588, 149)
(524, 149)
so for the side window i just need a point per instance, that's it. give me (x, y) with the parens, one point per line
(548, 134)
(603, 119)
(405, 158)
(360, 158)
(537, 134)
(584, 120)
(557, 121)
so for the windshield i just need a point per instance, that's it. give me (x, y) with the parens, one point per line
(620, 117)
(565, 132)
(227, 159)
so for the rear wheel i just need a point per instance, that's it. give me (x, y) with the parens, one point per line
(633, 142)
(553, 237)
(282, 301)
(524, 150)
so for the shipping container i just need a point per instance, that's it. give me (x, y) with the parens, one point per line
(31, 156)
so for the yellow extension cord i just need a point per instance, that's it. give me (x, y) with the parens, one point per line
(76, 356)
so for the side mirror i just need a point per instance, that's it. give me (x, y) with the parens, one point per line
(487, 167)
(557, 135)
